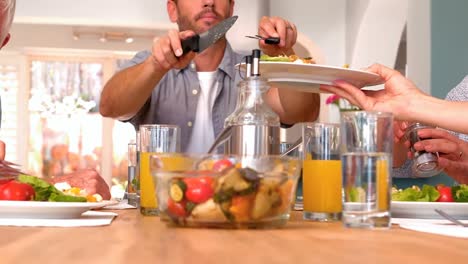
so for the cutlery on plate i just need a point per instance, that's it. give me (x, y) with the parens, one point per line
(270, 40)
(9, 169)
(450, 218)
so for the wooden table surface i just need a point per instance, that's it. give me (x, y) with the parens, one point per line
(132, 238)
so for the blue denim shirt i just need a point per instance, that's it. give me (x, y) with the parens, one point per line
(174, 100)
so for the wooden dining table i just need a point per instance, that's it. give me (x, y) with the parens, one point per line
(133, 238)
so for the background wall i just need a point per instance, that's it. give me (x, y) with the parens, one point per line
(377, 36)
(126, 13)
(449, 40)
(354, 16)
(324, 22)
(419, 44)
(43, 18)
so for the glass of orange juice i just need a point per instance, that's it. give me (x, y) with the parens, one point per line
(321, 172)
(154, 139)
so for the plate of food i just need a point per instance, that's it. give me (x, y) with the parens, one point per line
(415, 202)
(303, 74)
(48, 210)
(31, 197)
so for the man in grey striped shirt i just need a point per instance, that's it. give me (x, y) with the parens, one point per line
(198, 91)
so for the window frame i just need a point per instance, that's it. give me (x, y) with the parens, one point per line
(108, 61)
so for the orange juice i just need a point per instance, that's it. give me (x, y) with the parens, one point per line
(147, 187)
(148, 201)
(322, 186)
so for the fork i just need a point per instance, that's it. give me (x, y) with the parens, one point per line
(270, 40)
(450, 218)
(9, 169)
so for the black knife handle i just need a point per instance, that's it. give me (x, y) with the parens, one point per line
(272, 41)
(191, 44)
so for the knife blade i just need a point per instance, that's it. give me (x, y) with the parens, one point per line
(199, 43)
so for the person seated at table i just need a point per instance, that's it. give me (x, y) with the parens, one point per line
(86, 179)
(403, 165)
(401, 97)
(198, 91)
(89, 180)
(452, 160)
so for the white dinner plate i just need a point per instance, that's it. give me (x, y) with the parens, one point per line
(426, 210)
(308, 77)
(47, 210)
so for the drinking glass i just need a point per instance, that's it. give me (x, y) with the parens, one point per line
(132, 195)
(298, 201)
(154, 139)
(366, 155)
(321, 172)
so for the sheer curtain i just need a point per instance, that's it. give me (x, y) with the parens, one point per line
(63, 107)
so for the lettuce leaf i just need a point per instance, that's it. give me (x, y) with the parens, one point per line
(42, 188)
(357, 194)
(66, 198)
(265, 57)
(428, 193)
(460, 193)
(47, 192)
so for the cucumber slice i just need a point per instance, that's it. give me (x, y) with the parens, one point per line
(177, 190)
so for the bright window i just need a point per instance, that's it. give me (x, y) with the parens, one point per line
(64, 130)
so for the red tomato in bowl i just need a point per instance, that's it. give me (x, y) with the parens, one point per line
(16, 191)
(176, 209)
(220, 165)
(199, 189)
(445, 194)
(206, 180)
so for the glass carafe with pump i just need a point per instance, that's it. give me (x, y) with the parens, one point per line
(255, 127)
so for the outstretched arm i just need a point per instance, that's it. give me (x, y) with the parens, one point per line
(291, 106)
(402, 98)
(127, 91)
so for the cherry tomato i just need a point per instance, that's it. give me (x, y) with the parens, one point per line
(445, 194)
(176, 209)
(206, 180)
(16, 191)
(220, 165)
(198, 190)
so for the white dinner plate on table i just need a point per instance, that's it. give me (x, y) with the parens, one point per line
(47, 210)
(425, 210)
(308, 77)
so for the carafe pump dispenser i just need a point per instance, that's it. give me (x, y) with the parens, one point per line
(255, 127)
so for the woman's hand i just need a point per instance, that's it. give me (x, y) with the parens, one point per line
(452, 151)
(396, 98)
(399, 147)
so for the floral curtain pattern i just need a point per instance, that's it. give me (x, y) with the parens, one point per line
(63, 107)
(64, 88)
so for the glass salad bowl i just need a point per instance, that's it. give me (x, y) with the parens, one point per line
(224, 191)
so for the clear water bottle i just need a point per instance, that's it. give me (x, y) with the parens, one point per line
(132, 192)
(255, 127)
